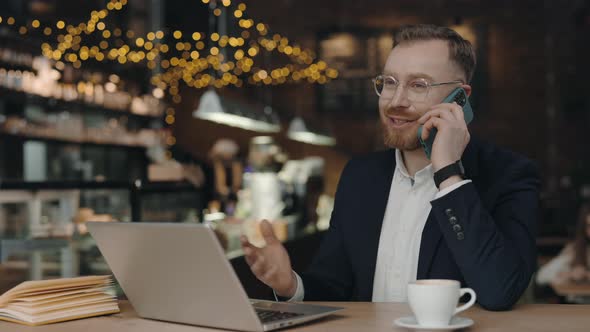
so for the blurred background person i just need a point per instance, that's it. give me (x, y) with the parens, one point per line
(571, 265)
(227, 170)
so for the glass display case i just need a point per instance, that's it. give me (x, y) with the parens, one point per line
(42, 224)
(74, 148)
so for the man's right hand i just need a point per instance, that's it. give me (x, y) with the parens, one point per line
(271, 264)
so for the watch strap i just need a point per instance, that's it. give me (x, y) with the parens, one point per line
(446, 172)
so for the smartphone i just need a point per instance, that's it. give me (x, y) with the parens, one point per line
(460, 97)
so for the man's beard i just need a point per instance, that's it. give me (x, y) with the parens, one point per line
(400, 139)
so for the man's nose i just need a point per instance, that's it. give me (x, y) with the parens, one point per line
(399, 98)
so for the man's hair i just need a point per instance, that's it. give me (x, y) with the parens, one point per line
(460, 50)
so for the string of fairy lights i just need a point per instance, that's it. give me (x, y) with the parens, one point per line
(193, 58)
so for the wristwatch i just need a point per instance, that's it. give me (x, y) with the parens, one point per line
(446, 172)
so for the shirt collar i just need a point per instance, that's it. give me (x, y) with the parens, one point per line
(425, 174)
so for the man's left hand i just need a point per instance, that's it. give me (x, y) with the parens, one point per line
(452, 136)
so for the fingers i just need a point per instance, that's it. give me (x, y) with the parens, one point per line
(254, 258)
(250, 256)
(259, 267)
(263, 262)
(250, 251)
(442, 113)
(458, 112)
(431, 124)
(449, 112)
(244, 241)
(268, 233)
(439, 115)
(246, 245)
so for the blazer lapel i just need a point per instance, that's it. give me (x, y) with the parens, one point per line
(431, 235)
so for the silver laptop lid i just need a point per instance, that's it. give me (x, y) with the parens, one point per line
(175, 272)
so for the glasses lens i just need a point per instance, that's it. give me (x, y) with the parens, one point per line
(378, 83)
(417, 90)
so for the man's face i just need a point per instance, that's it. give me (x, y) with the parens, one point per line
(407, 62)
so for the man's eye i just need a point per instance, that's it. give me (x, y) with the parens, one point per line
(418, 85)
(389, 81)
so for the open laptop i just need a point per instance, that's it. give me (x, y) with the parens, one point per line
(179, 273)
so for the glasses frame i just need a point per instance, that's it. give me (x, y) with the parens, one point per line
(428, 85)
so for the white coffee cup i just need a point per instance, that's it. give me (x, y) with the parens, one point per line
(434, 301)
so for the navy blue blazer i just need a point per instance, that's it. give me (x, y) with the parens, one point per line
(492, 251)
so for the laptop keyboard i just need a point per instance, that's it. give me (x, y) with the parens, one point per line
(267, 316)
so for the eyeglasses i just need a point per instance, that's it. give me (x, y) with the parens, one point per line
(417, 89)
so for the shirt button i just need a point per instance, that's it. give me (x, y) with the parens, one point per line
(449, 212)
(460, 236)
(453, 220)
(457, 228)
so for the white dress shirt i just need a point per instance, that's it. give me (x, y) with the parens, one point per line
(406, 213)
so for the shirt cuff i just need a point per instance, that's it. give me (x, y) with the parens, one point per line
(299, 292)
(450, 188)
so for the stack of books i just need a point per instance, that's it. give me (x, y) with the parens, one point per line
(50, 301)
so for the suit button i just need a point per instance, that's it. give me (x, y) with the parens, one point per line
(460, 236)
(449, 212)
(457, 228)
(453, 220)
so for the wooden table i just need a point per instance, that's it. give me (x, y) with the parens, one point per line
(357, 317)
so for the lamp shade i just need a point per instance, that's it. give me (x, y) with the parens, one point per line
(212, 108)
(298, 131)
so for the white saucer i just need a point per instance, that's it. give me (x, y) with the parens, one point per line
(456, 323)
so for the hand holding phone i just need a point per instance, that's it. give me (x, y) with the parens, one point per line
(460, 97)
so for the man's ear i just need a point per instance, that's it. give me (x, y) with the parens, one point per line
(467, 89)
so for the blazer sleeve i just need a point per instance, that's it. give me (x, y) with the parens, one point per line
(330, 277)
(495, 250)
